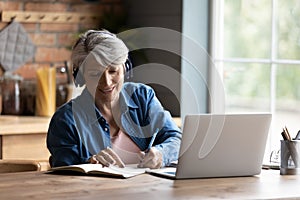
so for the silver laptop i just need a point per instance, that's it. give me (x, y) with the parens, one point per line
(220, 145)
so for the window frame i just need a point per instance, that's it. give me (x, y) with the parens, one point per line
(216, 44)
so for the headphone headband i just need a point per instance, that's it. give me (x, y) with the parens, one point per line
(79, 79)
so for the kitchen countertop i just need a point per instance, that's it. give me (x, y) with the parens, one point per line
(10, 124)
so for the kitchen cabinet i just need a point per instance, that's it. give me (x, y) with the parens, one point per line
(24, 138)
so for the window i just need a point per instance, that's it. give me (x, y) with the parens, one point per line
(256, 49)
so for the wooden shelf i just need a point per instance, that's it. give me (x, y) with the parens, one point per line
(49, 17)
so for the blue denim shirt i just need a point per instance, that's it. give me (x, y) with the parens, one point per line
(77, 129)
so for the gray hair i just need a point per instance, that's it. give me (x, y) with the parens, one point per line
(107, 48)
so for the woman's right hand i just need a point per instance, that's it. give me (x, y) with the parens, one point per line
(107, 157)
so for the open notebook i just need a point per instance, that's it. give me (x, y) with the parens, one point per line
(220, 145)
(96, 169)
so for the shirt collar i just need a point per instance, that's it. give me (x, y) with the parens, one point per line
(125, 98)
(87, 104)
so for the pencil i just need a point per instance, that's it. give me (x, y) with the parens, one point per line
(288, 136)
(283, 135)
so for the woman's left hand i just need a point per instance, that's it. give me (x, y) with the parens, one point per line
(152, 159)
(108, 157)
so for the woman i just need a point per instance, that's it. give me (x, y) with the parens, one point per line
(110, 122)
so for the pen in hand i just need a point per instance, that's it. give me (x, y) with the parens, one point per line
(151, 141)
(151, 157)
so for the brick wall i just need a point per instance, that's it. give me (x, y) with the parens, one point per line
(54, 40)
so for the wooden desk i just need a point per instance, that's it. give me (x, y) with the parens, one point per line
(23, 137)
(39, 185)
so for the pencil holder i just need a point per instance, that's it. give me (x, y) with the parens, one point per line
(290, 157)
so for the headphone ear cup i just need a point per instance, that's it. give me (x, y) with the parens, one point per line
(128, 65)
(78, 78)
(128, 68)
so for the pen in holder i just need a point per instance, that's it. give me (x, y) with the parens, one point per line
(290, 157)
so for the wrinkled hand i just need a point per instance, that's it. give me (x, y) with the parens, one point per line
(152, 159)
(107, 157)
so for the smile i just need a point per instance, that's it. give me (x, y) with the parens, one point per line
(108, 90)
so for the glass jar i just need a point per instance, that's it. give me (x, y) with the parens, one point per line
(28, 96)
(11, 98)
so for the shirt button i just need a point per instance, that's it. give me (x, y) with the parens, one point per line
(105, 129)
